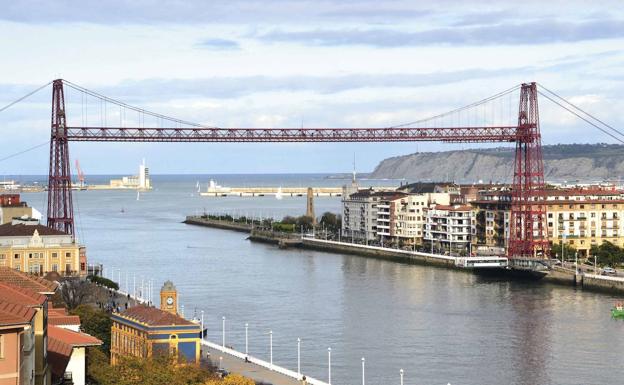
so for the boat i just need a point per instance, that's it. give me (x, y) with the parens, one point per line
(198, 187)
(138, 195)
(278, 195)
(618, 310)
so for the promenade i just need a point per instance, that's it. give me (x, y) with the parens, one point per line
(259, 370)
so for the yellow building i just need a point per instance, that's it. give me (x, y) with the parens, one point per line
(585, 217)
(30, 247)
(145, 331)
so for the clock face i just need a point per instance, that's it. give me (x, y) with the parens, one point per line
(169, 300)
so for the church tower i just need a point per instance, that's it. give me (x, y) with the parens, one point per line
(169, 298)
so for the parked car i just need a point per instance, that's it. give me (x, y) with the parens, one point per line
(609, 271)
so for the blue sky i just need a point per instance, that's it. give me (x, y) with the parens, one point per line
(286, 63)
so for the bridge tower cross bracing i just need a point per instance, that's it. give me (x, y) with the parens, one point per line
(60, 204)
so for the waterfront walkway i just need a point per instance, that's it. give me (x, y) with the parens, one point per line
(256, 369)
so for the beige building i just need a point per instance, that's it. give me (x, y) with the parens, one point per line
(30, 247)
(17, 344)
(583, 217)
(11, 207)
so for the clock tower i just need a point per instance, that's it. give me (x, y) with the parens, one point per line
(169, 298)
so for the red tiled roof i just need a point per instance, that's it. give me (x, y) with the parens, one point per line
(15, 314)
(61, 342)
(21, 296)
(453, 208)
(74, 339)
(26, 281)
(61, 320)
(21, 230)
(153, 316)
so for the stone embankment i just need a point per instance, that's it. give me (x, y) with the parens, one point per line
(556, 275)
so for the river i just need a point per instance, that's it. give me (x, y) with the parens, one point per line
(439, 326)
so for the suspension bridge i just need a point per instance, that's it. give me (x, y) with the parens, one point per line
(495, 119)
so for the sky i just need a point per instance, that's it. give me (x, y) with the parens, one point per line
(280, 63)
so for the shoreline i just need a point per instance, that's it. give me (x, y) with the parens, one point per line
(555, 276)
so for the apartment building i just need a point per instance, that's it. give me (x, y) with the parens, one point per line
(450, 228)
(17, 344)
(492, 217)
(359, 214)
(27, 246)
(12, 207)
(401, 216)
(583, 217)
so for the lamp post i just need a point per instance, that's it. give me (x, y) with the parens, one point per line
(271, 347)
(246, 338)
(329, 366)
(223, 333)
(595, 265)
(363, 373)
(220, 362)
(299, 357)
(401, 374)
(202, 325)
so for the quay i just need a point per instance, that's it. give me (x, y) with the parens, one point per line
(495, 264)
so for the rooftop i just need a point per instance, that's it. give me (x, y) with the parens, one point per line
(27, 281)
(21, 230)
(15, 314)
(19, 295)
(153, 316)
(61, 343)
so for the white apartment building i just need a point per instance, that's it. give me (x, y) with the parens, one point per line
(401, 216)
(359, 214)
(450, 227)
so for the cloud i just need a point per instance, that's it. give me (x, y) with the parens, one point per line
(219, 44)
(531, 33)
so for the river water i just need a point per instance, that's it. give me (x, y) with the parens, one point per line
(440, 326)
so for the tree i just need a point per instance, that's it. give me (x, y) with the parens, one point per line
(75, 292)
(95, 322)
(304, 222)
(556, 250)
(608, 253)
(331, 222)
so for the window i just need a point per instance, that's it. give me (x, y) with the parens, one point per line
(17, 256)
(30, 255)
(54, 255)
(2, 256)
(1, 346)
(68, 255)
(55, 267)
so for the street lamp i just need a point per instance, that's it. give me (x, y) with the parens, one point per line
(299, 357)
(223, 333)
(329, 366)
(220, 362)
(363, 376)
(202, 325)
(401, 374)
(271, 347)
(246, 338)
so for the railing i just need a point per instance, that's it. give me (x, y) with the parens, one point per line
(262, 363)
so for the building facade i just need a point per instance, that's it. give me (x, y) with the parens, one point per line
(11, 207)
(145, 331)
(450, 228)
(17, 344)
(585, 217)
(30, 247)
(359, 215)
(493, 211)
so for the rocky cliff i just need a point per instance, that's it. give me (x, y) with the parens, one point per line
(583, 162)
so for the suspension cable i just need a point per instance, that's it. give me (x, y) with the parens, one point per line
(482, 101)
(133, 108)
(24, 151)
(24, 97)
(581, 117)
(582, 111)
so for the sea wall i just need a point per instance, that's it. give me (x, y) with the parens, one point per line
(602, 283)
(218, 224)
